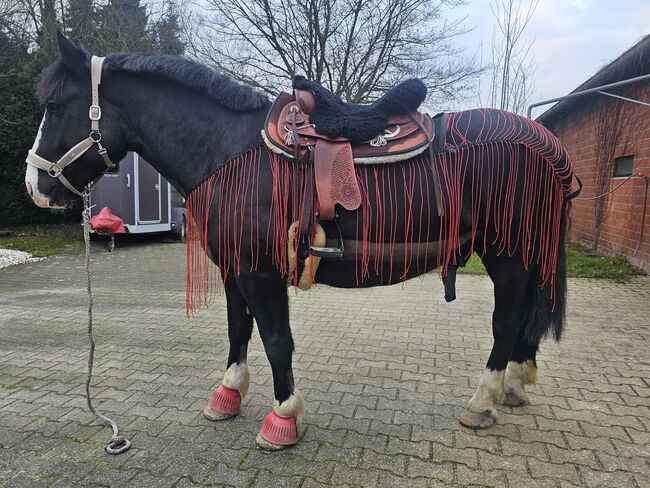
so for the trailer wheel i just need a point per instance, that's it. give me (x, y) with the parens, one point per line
(182, 233)
(110, 245)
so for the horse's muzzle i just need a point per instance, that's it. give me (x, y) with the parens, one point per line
(38, 200)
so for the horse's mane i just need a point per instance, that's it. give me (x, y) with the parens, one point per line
(220, 87)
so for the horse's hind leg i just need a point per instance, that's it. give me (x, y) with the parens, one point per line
(266, 293)
(510, 283)
(521, 371)
(225, 401)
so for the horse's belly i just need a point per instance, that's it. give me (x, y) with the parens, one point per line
(353, 273)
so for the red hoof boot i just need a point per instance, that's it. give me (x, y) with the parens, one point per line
(224, 404)
(277, 432)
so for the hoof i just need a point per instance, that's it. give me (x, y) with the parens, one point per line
(477, 420)
(277, 433)
(224, 403)
(513, 400)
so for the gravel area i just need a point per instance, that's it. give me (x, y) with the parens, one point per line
(9, 257)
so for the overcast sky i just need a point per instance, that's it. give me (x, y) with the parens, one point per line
(573, 39)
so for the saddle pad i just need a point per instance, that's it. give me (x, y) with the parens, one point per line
(356, 122)
(403, 139)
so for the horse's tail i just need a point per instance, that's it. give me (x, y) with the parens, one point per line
(547, 304)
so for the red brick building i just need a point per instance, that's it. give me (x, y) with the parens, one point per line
(608, 139)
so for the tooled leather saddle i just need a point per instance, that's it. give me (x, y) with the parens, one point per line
(314, 125)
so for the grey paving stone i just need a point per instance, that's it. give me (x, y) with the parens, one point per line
(389, 480)
(549, 470)
(266, 479)
(350, 456)
(395, 463)
(614, 479)
(385, 373)
(355, 476)
(426, 469)
(488, 462)
(472, 477)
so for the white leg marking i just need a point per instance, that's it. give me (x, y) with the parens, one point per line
(31, 174)
(294, 406)
(518, 375)
(490, 391)
(237, 378)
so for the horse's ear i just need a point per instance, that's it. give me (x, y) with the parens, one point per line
(73, 54)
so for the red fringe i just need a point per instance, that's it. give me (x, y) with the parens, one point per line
(536, 235)
(237, 187)
(236, 208)
(546, 181)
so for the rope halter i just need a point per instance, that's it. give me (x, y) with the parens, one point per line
(55, 170)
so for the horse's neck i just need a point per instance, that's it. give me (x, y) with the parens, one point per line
(184, 134)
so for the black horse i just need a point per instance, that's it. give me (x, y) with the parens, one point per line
(504, 184)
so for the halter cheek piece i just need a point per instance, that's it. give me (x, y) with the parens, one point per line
(94, 138)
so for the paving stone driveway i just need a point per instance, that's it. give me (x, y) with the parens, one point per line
(384, 372)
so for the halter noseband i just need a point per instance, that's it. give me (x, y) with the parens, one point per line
(94, 114)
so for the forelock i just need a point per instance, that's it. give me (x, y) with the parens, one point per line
(51, 82)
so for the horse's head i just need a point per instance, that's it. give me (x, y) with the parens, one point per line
(71, 149)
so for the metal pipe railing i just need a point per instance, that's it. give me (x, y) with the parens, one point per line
(589, 91)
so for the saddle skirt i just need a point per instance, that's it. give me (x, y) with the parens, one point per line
(288, 131)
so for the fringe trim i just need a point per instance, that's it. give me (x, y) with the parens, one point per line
(537, 235)
(231, 197)
(397, 200)
(238, 185)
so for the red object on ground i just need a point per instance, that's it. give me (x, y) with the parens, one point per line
(106, 222)
(281, 431)
(225, 400)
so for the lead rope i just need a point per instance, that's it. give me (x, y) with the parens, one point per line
(118, 444)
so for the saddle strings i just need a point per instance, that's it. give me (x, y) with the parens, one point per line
(532, 191)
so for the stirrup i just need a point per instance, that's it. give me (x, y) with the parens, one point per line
(330, 252)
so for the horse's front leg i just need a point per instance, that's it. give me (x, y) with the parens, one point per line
(225, 401)
(266, 294)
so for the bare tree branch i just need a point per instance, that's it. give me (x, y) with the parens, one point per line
(357, 48)
(512, 64)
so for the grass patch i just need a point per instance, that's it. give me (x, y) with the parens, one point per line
(474, 266)
(584, 263)
(41, 240)
(581, 263)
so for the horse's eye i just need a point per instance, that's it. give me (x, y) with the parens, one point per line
(53, 107)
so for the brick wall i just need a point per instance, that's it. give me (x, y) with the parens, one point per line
(621, 228)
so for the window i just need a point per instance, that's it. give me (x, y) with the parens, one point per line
(623, 166)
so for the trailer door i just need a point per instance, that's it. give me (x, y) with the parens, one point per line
(149, 184)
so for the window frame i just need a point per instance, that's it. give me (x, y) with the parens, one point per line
(616, 168)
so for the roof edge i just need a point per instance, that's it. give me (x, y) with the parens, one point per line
(634, 61)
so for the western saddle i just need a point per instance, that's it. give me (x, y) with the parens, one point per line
(314, 125)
